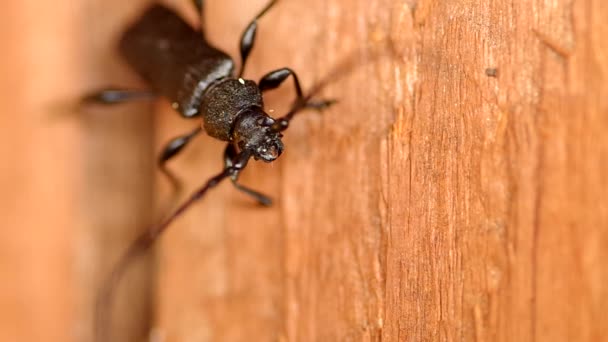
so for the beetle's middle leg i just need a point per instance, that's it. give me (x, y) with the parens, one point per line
(229, 155)
(171, 149)
(116, 95)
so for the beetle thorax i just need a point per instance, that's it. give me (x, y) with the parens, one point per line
(224, 101)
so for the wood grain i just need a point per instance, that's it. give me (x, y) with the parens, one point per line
(76, 183)
(432, 203)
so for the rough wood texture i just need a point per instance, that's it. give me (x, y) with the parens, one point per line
(433, 203)
(75, 185)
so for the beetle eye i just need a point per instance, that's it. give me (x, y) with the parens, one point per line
(265, 121)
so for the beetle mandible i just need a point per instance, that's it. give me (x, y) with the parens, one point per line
(178, 63)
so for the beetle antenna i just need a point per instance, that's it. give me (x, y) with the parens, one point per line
(146, 240)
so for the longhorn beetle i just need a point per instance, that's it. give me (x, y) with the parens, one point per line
(178, 63)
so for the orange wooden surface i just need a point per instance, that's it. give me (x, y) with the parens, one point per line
(433, 203)
(75, 185)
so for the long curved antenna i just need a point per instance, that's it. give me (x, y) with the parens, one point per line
(146, 240)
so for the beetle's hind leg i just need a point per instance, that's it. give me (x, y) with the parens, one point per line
(112, 95)
(229, 155)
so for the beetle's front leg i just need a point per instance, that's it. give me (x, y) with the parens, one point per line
(274, 79)
(229, 155)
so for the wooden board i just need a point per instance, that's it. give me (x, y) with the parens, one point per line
(455, 193)
(76, 184)
(434, 202)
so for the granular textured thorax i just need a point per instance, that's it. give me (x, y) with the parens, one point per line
(223, 101)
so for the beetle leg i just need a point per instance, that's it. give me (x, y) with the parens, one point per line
(282, 123)
(320, 105)
(171, 149)
(275, 78)
(248, 37)
(114, 96)
(229, 155)
(199, 5)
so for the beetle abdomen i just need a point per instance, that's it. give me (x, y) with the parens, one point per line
(173, 58)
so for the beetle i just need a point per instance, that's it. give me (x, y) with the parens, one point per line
(179, 64)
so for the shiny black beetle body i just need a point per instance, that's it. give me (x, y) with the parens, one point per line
(179, 64)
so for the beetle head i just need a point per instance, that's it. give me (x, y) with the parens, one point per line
(253, 132)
